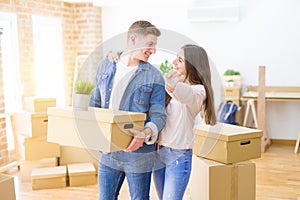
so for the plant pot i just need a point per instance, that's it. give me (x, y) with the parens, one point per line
(81, 101)
(229, 83)
(237, 80)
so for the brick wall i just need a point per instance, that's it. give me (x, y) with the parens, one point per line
(81, 25)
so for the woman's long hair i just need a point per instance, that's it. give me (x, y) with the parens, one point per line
(198, 72)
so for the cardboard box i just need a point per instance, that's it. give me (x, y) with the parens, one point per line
(38, 148)
(30, 124)
(20, 151)
(49, 177)
(26, 167)
(97, 128)
(70, 155)
(7, 187)
(233, 94)
(36, 104)
(211, 180)
(227, 143)
(82, 174)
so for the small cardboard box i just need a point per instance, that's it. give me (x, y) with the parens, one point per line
(233, 94)
(7, 187)
(30, 124)
(82, 174)
(211, 180)
(227, 143)
(97, 128)
(36, 104)
(49, 177)
(38, 148)
(26, 167)
(70, 155)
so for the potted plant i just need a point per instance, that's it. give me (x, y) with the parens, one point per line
(83, 91)
(232, 78)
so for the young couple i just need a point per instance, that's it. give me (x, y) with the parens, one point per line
(171, 104)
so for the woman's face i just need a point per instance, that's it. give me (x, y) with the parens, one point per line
(179, 63)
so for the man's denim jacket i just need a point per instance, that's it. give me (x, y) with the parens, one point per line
(145, 92)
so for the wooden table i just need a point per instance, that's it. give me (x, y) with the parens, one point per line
(272, 93)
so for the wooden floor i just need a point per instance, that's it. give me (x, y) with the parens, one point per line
(277, 175)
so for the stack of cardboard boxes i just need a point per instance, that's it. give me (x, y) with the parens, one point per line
(221, 162)
(31, 127)
(232, 92)
(232, 85)
(78, 174)
(47, 164)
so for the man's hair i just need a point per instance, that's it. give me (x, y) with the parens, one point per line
(143, 28)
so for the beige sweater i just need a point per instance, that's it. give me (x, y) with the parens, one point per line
(184, 106)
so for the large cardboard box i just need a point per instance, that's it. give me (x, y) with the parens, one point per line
(7, 187)
(27, 166)
(97, 128)
(70, 155)
(30, 124)
(38, 148)
(82, 174)
(38, 104)
(212, 180)
(49, 177)
(227, 143)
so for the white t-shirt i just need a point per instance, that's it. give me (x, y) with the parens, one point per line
(121, 80)
(185, 105)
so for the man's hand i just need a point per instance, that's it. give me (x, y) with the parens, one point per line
(114, 56)
(137, 141)
(172, 78)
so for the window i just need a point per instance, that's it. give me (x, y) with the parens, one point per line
(11, 73)
(47, 41)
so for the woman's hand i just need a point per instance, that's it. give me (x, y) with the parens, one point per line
(172, 78)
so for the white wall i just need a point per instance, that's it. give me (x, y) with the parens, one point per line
(267, 33)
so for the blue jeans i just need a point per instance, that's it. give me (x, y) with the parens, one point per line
(172, 172)
(136, 166)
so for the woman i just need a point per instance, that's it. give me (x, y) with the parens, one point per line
(190, 90)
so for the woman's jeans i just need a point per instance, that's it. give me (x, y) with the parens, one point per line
(172, 172)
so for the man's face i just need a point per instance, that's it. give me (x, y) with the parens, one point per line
(144, 46)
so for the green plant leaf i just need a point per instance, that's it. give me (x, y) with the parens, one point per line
(84, 87)
(230, 72)
(165, 67)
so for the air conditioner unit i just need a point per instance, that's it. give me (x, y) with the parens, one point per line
(214, 12)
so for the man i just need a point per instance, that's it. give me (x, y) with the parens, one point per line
(135, 85)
